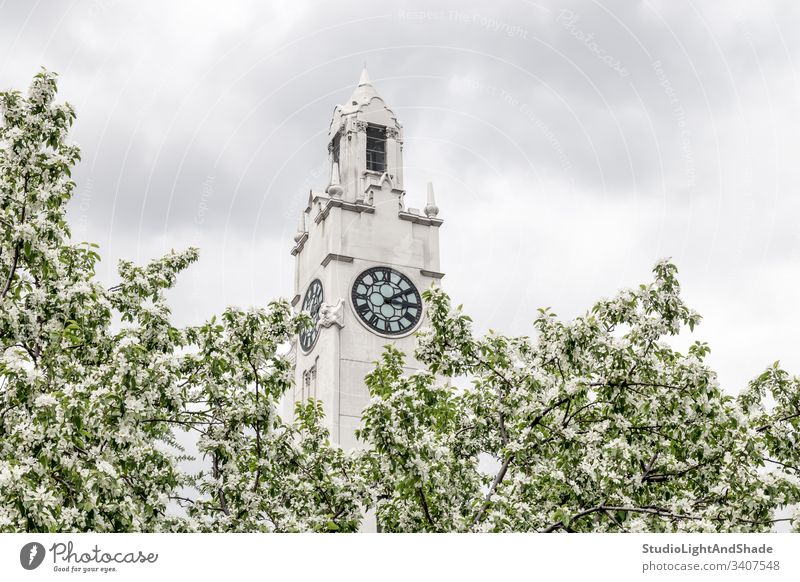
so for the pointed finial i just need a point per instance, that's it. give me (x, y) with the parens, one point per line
(431, 210)
(386, 182)
(301, 228)
(334, 188)
(364, 79)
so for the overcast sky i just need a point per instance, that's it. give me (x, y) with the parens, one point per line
(571, 145)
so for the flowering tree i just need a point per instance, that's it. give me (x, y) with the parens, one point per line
(266, 475)
(88, 406)
(75, 450)
(596, 425)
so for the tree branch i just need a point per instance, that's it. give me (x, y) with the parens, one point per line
(497, 480)
(424, 503)
(782, 419)
(257, 480)
(782, 464)
(657, 511)
(607, 508)
(12, 271)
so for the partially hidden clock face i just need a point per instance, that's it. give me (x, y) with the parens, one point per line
(386, 301)
(311, 303)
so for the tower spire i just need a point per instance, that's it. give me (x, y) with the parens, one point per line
(301, 228)
(431, 210)
(334, 188)
(364, 78)
(363, 93)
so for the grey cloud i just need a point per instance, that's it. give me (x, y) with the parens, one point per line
(571, 143)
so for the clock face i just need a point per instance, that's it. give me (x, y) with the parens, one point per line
(386, 301)
(311, 303)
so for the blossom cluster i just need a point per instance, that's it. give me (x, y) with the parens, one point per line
(595, 424)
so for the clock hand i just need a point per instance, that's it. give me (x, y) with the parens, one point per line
(398, 294)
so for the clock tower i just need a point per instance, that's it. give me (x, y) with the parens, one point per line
(362, 260)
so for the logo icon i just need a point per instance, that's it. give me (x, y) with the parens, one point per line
(31, 555)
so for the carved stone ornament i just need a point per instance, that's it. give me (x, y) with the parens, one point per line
(359, 125)
(392, 133)
(332, 314)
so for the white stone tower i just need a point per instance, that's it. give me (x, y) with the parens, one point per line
(362, 261)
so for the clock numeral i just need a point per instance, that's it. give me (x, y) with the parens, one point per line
(312, 302)
(379, 288)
